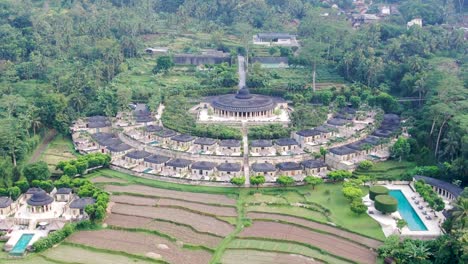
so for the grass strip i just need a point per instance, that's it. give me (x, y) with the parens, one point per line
(169, 198)
(125, 254)
(183, 187)
(300, 243)
(313, 220)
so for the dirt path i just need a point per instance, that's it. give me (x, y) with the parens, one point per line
(43, 146)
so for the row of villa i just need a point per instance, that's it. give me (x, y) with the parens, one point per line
(136, 141)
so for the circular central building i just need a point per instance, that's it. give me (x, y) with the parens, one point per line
(246, 105)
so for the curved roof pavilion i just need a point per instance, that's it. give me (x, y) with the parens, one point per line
(244, 102)
(40, 199)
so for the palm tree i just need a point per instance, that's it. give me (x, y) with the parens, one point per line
(417, 253)
(452, 144)
(460, 211)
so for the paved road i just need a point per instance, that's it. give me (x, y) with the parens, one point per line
(241, 61)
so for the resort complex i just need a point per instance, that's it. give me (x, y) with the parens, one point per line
(233, 132)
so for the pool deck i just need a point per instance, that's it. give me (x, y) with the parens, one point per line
(389, 224)
(16, 235)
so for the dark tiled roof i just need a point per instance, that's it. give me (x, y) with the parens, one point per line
(105, 139)
(166, 133)
(261, 143)
(81, 203)
(372, 140)
(285, 142)
(308, 133)
(263, 167)
(451, 188)
(205, 141)
(64, 191)
(157, 159)
(358, 145)
(142, 113)
(337, 122)
(5, 201)
(138, 154)
(39, 199)
(383, 133)
(343, 150)
(325, 129)
(344, 116)
(97, 118)
(289, 166)
(229, 167)
(178, 163)
(98, 124)
(310, 164)
(230, 143)
(347, 110)
(33, 190)
(183, 138)
(243, 102)
(153, 128)
(119, 147)
(203, 165)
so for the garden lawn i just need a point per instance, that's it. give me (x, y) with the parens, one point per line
(341, 213)
(387, 170)
(289, 210)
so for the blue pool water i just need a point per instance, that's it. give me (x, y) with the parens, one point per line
(21, 245)
(407, 212)
(154, 142)
(147, 170)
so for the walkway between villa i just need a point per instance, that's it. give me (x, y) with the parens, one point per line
(245, 142)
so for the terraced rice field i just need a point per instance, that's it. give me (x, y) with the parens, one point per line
(140, 244)
(330, 243)
(152, 224)
(259, 257)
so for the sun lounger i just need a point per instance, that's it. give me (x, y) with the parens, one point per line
(424, 213)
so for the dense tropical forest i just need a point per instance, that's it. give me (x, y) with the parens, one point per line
(62, 59)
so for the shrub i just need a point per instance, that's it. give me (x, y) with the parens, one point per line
(365, 165)
(23, 185)
(36, 171)
(54, 238)
(285, 180)
(386, 204)
(358, 207)
(238, 181)
(377, 190)
(352, 193)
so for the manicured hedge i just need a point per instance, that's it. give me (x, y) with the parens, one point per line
(377, 190)
(386, 204)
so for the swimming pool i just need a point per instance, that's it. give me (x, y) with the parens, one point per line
(21, 245)
(407, 212)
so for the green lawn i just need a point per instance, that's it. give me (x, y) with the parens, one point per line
(59, 149)
(341, 215)
(289, 210)
(387, 170)
(283, 247)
